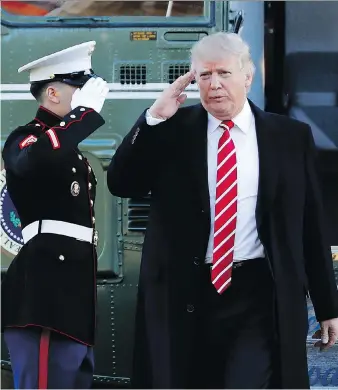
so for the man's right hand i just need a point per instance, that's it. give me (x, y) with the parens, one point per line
(171, 98)
(91, 95)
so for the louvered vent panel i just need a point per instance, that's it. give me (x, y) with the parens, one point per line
(133, 74)
(138, 213)
(175, 71)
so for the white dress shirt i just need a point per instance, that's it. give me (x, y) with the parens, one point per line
(243, 134)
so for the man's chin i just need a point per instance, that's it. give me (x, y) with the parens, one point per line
(221, 110)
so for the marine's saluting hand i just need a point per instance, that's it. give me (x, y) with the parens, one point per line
(92, 94)
(171, 98)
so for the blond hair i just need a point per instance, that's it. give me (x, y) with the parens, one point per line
(220, 45)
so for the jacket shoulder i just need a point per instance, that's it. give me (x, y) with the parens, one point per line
(291, 129)
(287, 122)
(23, 131)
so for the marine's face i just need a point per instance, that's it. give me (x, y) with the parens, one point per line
(58, 97)
(66, 94)
(223, 86)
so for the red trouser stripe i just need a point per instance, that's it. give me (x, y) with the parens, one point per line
(43, 359)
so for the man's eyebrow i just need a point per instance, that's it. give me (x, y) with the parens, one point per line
(220, 69)
(224, 69)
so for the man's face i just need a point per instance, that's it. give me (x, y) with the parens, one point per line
(58, 97)
(223, 86)
(66, 94)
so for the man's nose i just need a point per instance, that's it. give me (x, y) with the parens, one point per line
(215, 82)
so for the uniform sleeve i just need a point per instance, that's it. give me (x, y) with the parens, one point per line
(23, 153)
(136, 163)
(318, 258)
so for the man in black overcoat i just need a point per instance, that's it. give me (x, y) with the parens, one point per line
(235, 239)
(49, 290)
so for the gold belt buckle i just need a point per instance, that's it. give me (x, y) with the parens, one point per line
(96, 238)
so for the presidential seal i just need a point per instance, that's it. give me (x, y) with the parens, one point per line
(11, 238)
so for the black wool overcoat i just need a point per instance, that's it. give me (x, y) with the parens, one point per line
(170, 160)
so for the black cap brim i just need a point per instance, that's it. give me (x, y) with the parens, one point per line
(76, 79)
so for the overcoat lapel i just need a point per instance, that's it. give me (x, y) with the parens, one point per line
(267, 142)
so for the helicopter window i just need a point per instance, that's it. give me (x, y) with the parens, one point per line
(133, 74)
(79, 8)
(176, 71)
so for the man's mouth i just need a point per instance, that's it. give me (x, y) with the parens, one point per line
(217, 97)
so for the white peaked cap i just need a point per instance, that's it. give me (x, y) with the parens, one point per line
(73, 59)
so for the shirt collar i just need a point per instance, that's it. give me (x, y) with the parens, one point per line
(241, 120)
(46, 117)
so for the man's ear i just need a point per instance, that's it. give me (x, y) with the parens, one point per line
(248, 79)
(53, 94)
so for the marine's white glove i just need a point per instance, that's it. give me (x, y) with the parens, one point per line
(91, 95)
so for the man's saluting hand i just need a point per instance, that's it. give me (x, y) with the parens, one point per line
(171, 98)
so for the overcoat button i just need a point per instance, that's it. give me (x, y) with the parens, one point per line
(62, 123)
(190, 308)
(73, 116)
(82, 109)
(61, 257)
(79, 156)
(90, 186)
(74, 170)
(91, 203)
(93, 219)
(37, 125)
(196, 261)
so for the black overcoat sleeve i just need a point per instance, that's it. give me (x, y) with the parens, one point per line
(318, 258)
(134, 167)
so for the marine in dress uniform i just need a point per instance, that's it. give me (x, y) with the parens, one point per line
(49, 291)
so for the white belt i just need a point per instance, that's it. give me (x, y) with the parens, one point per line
(59, 227)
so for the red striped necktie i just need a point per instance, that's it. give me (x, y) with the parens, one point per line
(225, 210)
